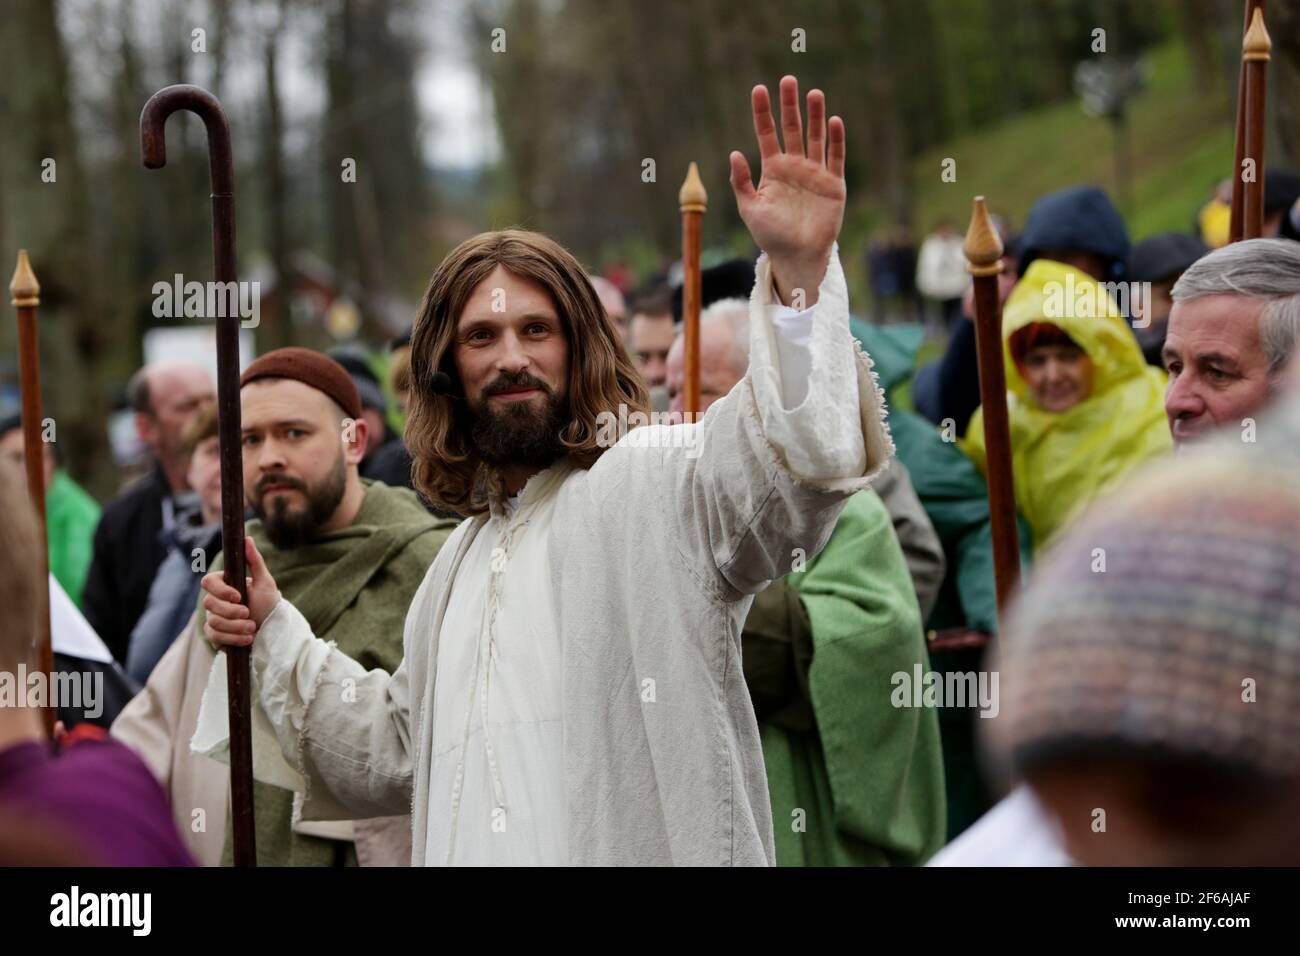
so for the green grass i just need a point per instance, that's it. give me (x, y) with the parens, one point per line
(1180, 146)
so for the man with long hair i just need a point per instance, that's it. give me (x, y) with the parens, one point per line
(571, 690)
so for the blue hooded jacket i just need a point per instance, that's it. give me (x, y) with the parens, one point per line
(1078, 217)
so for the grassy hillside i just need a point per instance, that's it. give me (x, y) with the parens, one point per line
(1180, 145)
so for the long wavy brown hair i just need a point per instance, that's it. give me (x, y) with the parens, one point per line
(602, 377)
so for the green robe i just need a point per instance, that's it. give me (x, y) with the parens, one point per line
(865, 785)
(353, 586)
(72, 515)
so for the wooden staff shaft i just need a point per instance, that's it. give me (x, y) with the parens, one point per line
(1238, 218)
(984, 251)
(693, 201)
(153, 142)
(997, 437)
(1255, 58)
(26, 297)
(691, 294)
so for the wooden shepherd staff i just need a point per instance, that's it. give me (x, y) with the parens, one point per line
(693, 200)
(984, 253)
(1254, 58)
(26, 293)
(153, 121)
(1237, 223)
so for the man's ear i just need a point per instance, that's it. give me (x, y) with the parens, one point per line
(147, 429)
(355, 433)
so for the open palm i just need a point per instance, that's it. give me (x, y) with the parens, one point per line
(795, 213)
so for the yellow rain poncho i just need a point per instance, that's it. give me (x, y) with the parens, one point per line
(1062, 460)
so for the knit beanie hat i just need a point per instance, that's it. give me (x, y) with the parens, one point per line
(311, 368)
(1168, 620)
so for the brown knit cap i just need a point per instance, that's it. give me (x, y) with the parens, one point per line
(311, 368)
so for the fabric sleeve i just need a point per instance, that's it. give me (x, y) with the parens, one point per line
(921, 546)
(757, 484)
(322, 723)
(884, 763)
(148, 724)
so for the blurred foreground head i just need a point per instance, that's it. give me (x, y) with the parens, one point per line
(20, 579)
(1150, 674)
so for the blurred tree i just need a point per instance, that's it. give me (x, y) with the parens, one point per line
(51, 217)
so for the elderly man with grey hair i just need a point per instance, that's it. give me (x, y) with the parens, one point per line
(1231, 334)
(165, 396)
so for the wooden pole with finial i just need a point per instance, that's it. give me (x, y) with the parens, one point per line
(693, 201)
(1255, 52)
(983, 249)
(1237, 222)
(26, 294)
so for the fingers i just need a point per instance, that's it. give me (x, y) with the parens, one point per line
(224, 609)
(224, 638)
(256, 566)
(817, 126)
(742, 183)
(215, 584)
(791, 121)
(764, 123)
(835, 161)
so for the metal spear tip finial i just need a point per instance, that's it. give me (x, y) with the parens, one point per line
(1257, 45)
(24, 288)
(983, 246)
(692, 196)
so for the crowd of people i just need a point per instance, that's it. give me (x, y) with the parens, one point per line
(496, 639)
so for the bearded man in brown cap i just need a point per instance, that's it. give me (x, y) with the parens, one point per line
(351, 551)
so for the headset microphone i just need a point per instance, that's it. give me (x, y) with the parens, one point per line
(442, 384)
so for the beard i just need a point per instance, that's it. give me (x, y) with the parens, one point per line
(291, 527)
(519, 433)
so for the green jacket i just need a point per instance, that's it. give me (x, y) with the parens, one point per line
(863, 783)
(353, 586)
(72, 516)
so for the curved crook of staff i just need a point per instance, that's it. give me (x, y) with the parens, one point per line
(153, 121)
(984, 253)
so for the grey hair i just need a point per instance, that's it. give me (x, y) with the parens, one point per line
(734, 313)
(1263, 269)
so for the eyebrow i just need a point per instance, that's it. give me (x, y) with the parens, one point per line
(465, 324)
(1218, 358)
(284, 423)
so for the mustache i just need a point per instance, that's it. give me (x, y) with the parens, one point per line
(511, 383)
(267, 480)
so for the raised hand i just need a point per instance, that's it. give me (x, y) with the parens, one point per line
(796, 212)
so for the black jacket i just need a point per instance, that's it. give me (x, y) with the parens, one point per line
(129, 547)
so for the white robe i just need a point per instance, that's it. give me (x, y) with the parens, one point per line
(651, 562)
